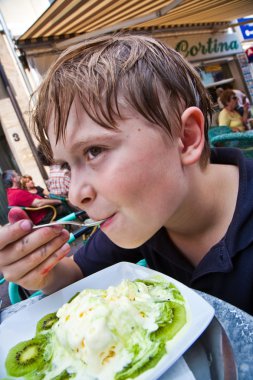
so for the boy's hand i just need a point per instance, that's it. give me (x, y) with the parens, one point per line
(26, 256)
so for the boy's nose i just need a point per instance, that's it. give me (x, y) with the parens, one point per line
(81, 196)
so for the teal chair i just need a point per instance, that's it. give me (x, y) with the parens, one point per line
(142, 263)
(241, 140)
(217, 131)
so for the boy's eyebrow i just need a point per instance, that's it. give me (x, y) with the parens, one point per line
(93, 140)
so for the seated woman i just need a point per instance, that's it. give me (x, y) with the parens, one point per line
(229, 116)
(27, 183)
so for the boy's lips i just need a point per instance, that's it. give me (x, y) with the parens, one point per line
(107, 221)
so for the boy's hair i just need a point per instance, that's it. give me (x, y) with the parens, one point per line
(43, 157)
(226, 97)
(105, 72)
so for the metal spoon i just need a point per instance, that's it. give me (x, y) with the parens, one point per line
(86, 223)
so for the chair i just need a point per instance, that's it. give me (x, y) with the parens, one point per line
(59, 197)
(142, 263)
(217, 130)
(53, 217)
(241, 140)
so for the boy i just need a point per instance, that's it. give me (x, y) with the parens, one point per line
(130, 117)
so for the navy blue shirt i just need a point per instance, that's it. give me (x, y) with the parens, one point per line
(226, 271)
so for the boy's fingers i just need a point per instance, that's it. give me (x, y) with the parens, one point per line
(18, 269)
(12, 232)
(38, 240)
(16, 214)
(39, 274)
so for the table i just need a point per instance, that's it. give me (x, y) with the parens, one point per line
(237, 324)
(239, 329)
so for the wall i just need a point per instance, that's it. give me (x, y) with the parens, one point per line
(10, 123)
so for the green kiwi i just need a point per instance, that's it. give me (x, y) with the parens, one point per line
(35, 376)
(26, 357)
(64, 376)
(169, 330)
(46, 323)
(74, 296)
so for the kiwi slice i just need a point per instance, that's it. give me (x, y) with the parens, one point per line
(26, 357)
(64, 376)
(169, 330)
(46, 323)
(74, 296)
(35, 376)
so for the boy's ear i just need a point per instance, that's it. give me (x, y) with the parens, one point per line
(192, 138)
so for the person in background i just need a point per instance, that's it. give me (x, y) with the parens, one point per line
(23, 198)
(58, 177)
(26, 182)
(59, 180)
(131, 116)
(219, 91)
(229, 116)
(241, 100)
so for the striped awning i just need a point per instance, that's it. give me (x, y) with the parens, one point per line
(68, 18)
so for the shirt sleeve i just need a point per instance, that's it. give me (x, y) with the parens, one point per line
(23, 198)
(100, 252)
(66, 181)
(224, 119)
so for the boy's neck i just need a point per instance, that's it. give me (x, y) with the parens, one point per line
(209, 215)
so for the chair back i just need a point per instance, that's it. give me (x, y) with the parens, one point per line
(51, 207)
(241, 140)
(217, 130)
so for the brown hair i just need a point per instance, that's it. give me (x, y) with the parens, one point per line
(149, 76)
(23, 181)
(226, 97)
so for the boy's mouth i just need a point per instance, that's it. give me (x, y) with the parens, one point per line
(107, 221)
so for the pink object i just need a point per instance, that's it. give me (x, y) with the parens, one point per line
(17, 214)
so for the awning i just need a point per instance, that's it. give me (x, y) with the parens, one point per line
(70, 18)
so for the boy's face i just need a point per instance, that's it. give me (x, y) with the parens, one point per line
(131, 176)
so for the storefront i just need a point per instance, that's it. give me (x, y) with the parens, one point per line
(245, 31)
(218, 57)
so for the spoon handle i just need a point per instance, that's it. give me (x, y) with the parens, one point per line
(86, 223)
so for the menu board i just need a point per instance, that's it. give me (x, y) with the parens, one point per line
(247, 75)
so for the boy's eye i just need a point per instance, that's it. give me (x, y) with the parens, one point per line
(93, 152)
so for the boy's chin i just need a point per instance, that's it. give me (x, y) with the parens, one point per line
(127, 242)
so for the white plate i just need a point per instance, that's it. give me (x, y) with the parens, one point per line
(21, 325)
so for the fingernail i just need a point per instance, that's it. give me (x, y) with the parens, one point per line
(65, 247)
(26, 225)
(57, 228)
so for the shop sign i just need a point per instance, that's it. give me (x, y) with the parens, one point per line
(247, 29)
(207, 46)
